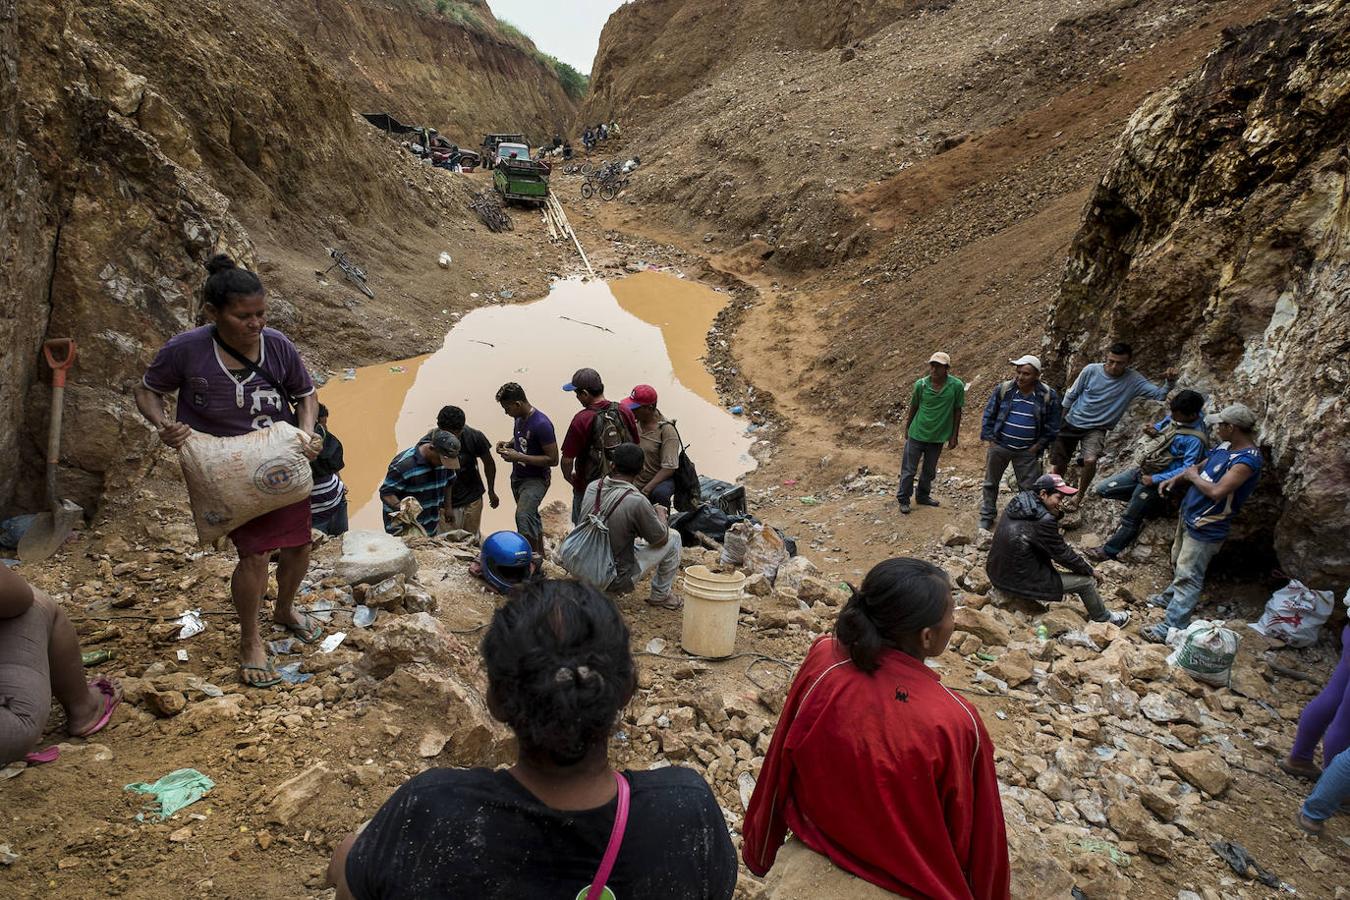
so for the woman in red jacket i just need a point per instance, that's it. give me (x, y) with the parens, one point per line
(874, 763)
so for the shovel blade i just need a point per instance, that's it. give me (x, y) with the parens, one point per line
(48, 532)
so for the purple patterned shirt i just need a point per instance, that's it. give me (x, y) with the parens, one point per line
(214, 401)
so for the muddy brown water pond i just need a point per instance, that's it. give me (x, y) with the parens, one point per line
(648, 328)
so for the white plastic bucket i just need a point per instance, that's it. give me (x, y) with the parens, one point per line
(712, 604)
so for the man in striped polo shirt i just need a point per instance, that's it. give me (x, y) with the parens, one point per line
(1020, 420)
(425, 473)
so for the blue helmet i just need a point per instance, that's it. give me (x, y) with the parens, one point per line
(506, 559)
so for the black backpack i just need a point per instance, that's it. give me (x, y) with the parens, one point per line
(687, 492)
(608, 430)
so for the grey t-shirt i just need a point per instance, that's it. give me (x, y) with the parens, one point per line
(633, 518)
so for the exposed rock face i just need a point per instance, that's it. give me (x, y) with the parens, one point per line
(137, 138)
(1220, 239)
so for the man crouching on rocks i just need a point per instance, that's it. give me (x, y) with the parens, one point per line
(1027, 544)
(232, 377)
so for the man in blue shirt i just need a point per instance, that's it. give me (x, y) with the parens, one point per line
(1218, 489)
(424, 472)
(1174, 444)
(1020, 420)
(1095, 403)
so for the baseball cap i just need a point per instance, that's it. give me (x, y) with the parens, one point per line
(1234, 414)
(642, 395)
(584, 380)
(940, 358)
(447, 445)
(1028, 360)
(1053, 483)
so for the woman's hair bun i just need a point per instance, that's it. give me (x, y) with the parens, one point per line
(219, 263)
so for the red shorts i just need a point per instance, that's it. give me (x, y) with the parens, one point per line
(281, 528)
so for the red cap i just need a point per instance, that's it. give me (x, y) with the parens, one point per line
(642, 395)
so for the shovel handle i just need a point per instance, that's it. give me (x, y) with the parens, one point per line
(60, 354)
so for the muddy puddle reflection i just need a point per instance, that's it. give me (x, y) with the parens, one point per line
(649, 328)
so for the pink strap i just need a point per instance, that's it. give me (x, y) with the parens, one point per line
(615, 839)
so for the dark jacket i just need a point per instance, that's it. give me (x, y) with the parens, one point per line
(1027, 543)
(1048, 412)
(329, 461)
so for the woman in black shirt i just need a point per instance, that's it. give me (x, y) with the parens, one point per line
(559, 671)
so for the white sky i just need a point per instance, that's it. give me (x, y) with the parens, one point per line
(567, 29)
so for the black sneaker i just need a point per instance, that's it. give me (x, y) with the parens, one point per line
(927, 501)
(904, 507)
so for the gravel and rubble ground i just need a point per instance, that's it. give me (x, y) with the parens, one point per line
(1118, 771)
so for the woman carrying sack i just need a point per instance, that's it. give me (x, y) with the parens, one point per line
(562, 822)
(234, 376)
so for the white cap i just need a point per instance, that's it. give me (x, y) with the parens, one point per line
(1028, 360)
(940, 358)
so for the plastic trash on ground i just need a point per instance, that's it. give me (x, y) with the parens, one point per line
(179, 789)
(363, 617)
(333, 641)
(192, 623)
(291, 674)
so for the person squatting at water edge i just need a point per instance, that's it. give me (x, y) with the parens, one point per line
(559, 671)
(875, 766)
(232, 376)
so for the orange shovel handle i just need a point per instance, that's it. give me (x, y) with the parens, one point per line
(60, 354)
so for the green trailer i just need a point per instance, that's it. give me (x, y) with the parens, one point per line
(521, 179)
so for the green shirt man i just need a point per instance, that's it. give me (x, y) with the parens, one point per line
(934, 419)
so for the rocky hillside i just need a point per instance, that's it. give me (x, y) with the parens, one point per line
(653, 52)
(459, 70)
(140, 136)
(1220, 237)
(915, 188)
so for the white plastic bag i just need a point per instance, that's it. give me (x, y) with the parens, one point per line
(764, 552)
(586, 553)
(1294, 614)
(1206, 651)
(733, 545)
(233, 480)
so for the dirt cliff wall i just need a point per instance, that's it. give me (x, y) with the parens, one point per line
(426, 68)
(653, 52)
(137, 137)
(1220, 237)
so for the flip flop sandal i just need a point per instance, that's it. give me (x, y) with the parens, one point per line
(38, 757)
(111, 698)
(266, 683)
(306, 635)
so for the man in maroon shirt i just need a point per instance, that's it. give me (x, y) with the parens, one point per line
(601, 426)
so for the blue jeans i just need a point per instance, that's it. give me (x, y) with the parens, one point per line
(663, 493)
(916, 451)
(1333, 789)
(529, 493)
(1144, 503)
(1190, 559)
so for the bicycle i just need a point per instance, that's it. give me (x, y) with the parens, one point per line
(490, 212)
(355, 274)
